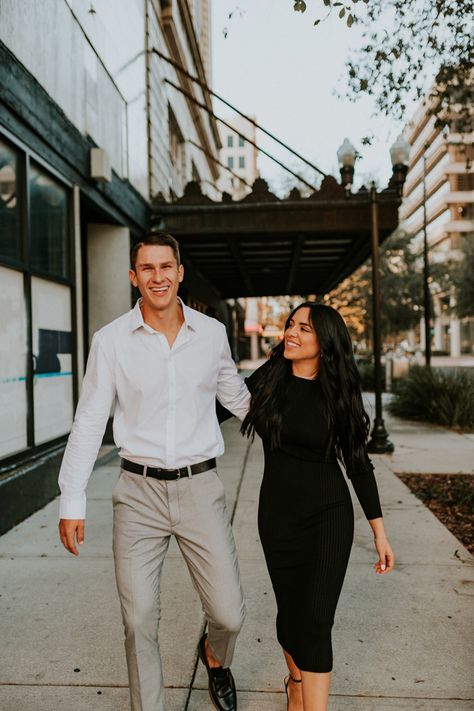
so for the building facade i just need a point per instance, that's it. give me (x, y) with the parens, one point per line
(441, 168)
(238, 157)
(91, 129)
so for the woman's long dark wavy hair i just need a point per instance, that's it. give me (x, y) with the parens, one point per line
(340, 382)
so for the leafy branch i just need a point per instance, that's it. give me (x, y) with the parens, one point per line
(345, 10)
(407, 44)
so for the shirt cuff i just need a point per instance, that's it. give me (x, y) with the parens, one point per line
(72, 508)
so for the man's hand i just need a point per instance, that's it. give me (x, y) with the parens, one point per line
(71, 531)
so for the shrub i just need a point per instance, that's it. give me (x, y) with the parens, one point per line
(367, 376)
(433, 395)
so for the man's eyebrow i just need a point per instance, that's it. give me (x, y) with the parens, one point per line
(150, 264)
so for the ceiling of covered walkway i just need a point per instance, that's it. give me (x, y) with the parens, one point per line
(266, 246)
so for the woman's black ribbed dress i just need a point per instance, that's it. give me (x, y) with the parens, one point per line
(306, 524)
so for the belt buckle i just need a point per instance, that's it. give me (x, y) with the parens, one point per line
(173, 471)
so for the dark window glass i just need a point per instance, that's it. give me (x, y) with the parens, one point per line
(230, 141)
(48, 224)
(241, 162)
(241, 141)
(9, 203)
(230, 162)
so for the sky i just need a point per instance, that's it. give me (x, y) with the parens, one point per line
(276, 65)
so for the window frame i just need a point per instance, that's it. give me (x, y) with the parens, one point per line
(22, 265)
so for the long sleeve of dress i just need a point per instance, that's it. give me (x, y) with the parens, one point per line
(365, 487)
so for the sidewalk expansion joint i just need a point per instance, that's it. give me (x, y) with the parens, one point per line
(239, 690)
(241, 478)
(402, 698)
(54, 685)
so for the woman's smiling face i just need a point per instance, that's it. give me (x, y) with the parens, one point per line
(301, 340)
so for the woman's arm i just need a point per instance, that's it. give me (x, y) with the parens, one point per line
(386, 559)
(366, 489)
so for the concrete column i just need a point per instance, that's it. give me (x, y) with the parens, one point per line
(438, 326)
(438, 334)
(254, 350)
(107, 266)
(411, 338)
(455, 338)
(422, 333)
(252, 326)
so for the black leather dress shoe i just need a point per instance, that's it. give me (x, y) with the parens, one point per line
(221, 682)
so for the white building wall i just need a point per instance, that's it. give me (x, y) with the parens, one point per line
(95, 67)
(92, 66)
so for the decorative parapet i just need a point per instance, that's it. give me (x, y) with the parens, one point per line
(331, 190)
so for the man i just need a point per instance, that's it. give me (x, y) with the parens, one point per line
(163, 364)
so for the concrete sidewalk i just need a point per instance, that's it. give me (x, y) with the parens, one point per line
(401, 642)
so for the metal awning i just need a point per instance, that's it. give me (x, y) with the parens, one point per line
(266, 246)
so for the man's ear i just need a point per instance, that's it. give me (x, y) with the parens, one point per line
(180, 272)
(133, 277)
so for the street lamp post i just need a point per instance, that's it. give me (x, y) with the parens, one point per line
(379, 442)
(426, 274)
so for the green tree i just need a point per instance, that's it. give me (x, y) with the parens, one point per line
(401, 286)
(406, 44)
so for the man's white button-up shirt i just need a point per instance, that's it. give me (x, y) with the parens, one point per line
(165, 413)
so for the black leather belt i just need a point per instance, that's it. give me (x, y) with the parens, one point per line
(167, 474)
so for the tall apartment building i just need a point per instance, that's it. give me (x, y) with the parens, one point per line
(442, 161)
(90, 130)
(238, 156)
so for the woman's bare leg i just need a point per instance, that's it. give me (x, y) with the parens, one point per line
(315, 688)
(295, 695)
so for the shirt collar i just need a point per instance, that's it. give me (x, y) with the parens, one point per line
(138, 322)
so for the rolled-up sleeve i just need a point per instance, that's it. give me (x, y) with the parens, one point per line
(232, 392)
(97, 395)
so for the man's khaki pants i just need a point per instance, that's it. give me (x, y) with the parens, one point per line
(146, 513)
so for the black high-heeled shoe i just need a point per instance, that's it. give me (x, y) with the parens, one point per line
(286, 681)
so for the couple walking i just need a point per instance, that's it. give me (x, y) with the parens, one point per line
(163, 364)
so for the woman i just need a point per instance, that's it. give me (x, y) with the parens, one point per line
(307, 408)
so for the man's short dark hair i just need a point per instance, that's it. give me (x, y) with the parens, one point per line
(163, 239)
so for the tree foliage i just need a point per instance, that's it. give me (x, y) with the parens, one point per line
(406, 44)
(401, 286)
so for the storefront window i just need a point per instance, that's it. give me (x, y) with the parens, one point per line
(52, 357)
(48, 224)
(9, 203)
(13, 355)
(36, 354)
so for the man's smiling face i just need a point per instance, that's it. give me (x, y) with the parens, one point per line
(157, 275)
